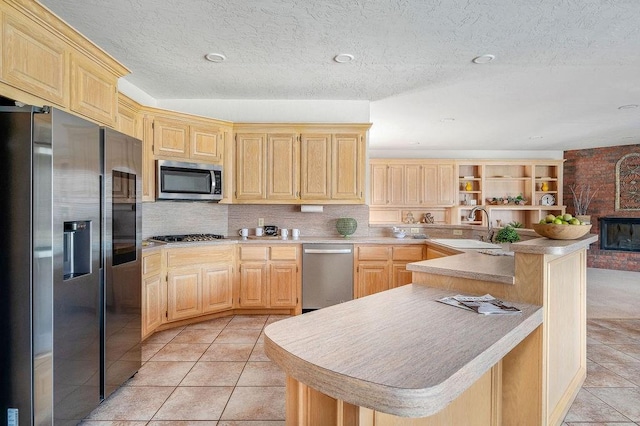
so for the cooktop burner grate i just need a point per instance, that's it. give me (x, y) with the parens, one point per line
(187, 238)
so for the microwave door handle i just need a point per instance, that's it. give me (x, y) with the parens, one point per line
(213, 181)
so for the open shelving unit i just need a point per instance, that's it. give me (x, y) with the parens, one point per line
(489, 184)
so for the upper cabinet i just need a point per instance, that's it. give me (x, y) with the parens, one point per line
(188, 140)
(94, 92)
(300, 164)
(46, 62)
(183, 137)
(34, 60)
(521, 191)
(427, 183)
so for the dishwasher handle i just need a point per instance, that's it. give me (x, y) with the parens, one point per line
(328, 251)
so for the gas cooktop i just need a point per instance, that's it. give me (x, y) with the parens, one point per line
(187, 238)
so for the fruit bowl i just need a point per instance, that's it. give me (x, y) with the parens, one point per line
(561, 232)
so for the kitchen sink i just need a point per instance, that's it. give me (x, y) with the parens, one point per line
(463, 243)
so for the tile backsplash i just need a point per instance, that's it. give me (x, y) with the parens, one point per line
(172, 217)
(289, 216)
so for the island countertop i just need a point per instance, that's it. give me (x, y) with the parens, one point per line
(400, 351)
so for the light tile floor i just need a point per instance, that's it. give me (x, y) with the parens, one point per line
(611, 393)
(215, 373)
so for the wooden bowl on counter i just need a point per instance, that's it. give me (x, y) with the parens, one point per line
(561, 232)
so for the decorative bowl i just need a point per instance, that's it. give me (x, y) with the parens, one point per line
(399, 234)
(561, 232)
(346, 226)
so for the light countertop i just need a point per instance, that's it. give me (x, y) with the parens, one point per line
(399, 351)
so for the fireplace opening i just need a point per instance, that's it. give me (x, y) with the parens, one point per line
(620, 233)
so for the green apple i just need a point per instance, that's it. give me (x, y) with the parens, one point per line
(542, 222)
(567, 217)
(574, 221)
(557, 221)
(549, 218)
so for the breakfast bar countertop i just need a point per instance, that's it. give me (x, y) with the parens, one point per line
(411, 362)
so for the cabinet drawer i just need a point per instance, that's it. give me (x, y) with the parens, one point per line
(408, 252)
(198, 255)
(284, 253)
(373, 253)
(151, 263)
(254, 253)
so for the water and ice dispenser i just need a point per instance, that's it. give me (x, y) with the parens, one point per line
(77, 248)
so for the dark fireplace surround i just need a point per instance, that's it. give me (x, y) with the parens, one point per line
(620, 233)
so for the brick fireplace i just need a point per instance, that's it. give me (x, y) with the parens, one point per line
(597, 167)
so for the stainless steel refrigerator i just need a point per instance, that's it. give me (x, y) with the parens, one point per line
(65, 325)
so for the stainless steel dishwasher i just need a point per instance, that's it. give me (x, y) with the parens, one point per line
(327, 275)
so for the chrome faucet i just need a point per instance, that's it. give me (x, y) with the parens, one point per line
(472, 216)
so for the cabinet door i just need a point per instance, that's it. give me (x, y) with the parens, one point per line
(184, 287)
(206, 144)
(400, 275)
(372, 277)
(217, 293)
(412, 184)
(430, 186)
(395, 188)
(152, 307)
(34, 61)
(170, 138)
(282, 167)
(347, 167)
(94, 92)
(253, 285)
(250, 165)
(283, 285)
(128, 122)
(315, 167)
(446, 184)
(379, 185)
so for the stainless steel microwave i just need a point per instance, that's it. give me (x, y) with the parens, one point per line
(177, 180)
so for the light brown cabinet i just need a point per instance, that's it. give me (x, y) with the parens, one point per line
(332, 167)
(413, 183)
(34, 60)
(183, 140)
(199, 281)
(94, 92)
(267, 166)
(383, 267)
(129, 118)
(180, 137)
(270, 276)
(44, 62)
(291, 164)
(153, 293)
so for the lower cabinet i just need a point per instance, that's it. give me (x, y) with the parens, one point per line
(199, 281)
(270, 276)
(153, 301)
(383, 267)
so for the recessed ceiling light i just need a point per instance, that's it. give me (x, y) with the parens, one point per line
(536, 137)
(444, 120)
(215, 57)
(630, 106)
(343, 58)
(483, 59)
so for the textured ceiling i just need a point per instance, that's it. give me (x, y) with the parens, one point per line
(562, 67)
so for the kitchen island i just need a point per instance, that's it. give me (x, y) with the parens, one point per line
(400, 358)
